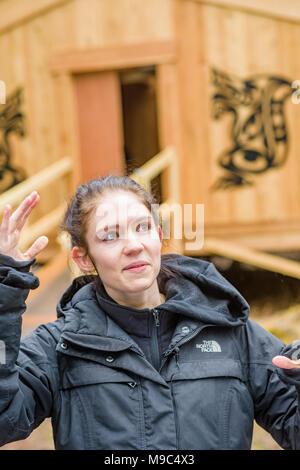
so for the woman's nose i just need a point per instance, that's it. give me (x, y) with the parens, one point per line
(132, 244)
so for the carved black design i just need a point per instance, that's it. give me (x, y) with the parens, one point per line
(11, 121)
(259, 132)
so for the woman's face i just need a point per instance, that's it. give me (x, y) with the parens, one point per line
(124, 245)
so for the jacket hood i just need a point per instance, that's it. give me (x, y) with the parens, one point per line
(203, 294)
(198, 292)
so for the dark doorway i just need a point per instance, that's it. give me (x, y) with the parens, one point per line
(140, 124)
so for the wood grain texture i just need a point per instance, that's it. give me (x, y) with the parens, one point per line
(99, 124)
(113, 57)
(243, 45)
(183, 39)
(288, 11)
(15, 12)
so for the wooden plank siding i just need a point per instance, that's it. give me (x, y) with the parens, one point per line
(241, 44)
(51, 40)
(113, 57)
(36, 32)
(277, 9)
(16, 12)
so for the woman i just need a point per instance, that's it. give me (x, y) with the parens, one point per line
(146, 353)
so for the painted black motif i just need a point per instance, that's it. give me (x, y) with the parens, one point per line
(258, 133)
(11, 122)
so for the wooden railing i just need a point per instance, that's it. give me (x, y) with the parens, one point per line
(243, 254)
(48, 223)
(36, 182)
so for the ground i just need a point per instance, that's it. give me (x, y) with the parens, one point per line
(275, 304)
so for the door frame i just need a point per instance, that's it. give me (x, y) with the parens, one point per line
(64, 64)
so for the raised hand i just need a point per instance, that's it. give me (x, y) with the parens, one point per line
(11, 227)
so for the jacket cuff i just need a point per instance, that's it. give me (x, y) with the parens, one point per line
(7, 261)
(291, 376)
(16, 273)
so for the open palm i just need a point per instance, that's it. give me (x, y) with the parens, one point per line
(11, 227)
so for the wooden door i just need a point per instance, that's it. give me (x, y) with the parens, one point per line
(100, 128)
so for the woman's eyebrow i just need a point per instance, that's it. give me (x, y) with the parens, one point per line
(105, 228)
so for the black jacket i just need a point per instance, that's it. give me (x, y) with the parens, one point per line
(199, 387)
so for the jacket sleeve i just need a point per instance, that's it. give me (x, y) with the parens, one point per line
(26, 368)
(276, 401)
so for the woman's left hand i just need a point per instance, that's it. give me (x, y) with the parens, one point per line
(285, 363)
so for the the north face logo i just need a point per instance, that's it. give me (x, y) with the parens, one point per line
(209, 346)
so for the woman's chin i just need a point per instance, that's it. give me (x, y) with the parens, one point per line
(138, 284)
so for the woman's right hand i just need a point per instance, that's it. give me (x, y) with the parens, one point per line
(11, 227)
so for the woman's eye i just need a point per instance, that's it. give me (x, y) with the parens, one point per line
(110, 236)
(144, 226)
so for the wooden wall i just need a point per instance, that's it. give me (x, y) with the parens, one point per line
(32, 35)
(242, 44)
(42, 44)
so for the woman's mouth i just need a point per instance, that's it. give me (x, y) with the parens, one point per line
(137, 267)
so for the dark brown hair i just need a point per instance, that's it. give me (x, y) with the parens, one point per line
(83, 204)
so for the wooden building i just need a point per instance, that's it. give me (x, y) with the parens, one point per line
(101, 86)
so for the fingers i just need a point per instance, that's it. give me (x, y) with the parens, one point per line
(36, 247)
(21, 214)
(12, 222)
(5, 224)
(11, 226)
(285, 363)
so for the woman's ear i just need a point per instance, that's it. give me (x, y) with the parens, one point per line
(160, 233)
(82, 259)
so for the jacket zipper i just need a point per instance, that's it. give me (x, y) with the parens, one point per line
(155, 349)
(142, 421)
(155, 345)
(176, 354)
